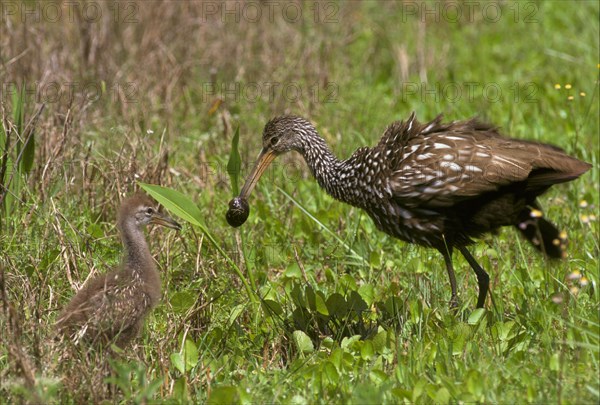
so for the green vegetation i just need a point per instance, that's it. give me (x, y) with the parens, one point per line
(306, 302)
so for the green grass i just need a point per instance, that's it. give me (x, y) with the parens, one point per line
(346, 314)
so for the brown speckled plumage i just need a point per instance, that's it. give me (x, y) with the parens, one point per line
(435, 184)
(112, 307)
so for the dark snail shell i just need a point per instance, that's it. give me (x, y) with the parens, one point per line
(238, 212)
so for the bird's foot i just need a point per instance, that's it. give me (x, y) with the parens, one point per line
(454, 304)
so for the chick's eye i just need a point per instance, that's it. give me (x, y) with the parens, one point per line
(274, 141)
(150, 211)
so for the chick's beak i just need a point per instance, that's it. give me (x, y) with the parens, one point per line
(264, 159)
(166, 221)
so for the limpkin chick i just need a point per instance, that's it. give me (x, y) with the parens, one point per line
(436, 184)
(112, 307)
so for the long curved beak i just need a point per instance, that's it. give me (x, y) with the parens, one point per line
(166, 221)
(264, 159)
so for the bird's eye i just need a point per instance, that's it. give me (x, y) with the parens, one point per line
(274, 141)
(150, 211)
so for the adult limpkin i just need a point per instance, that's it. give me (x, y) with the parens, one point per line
(436, 184)
(112, 306)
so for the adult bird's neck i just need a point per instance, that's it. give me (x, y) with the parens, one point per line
(137, 257)
(333, 175)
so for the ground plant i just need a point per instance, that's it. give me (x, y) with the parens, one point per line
(307, 302)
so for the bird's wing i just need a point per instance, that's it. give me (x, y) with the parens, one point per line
(117, 309)
(444, 168)
(439, 164)
(400, 133)
(108, 311)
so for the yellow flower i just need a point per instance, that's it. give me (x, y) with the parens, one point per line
(570, 98)
(557, 86)
(582, 94)
(568, 86)
(536, 213)
(583, 204)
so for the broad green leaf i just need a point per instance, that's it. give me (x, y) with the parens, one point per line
(367, 351)
(272, 307)
(303, 342)
(366, 393)
(320, 304)
(328, 343)
(419, 389)
(336, 304)
(48, 258)
(331, 276)
(297, 296)
(356, 302)
(336, 358)
(347, 282)
(402, 394)
(178, 362)
(235, 163)
(380, 341)
(476, 316)
(375, 258)
(224, 395)
(235, 313)
(378, 377)
(180, 390)
(182, 301)
(293, 271)
(190, 354)
(298, 400)
(507, 330)
(301, 317)
(176, 202)
(246, 395)
(311, 298)
(367, 292)
(347, 342)
(95, 231)
(555, 362)
(330, 374)
(442, 396)
(474, 382)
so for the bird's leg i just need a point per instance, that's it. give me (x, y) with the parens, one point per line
(483, 279)
(447, 253)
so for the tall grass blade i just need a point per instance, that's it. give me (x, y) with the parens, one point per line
(26, 162)
(12, 181)
(324, 227)
(18, 100)
(3, 139)
(235, 163)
